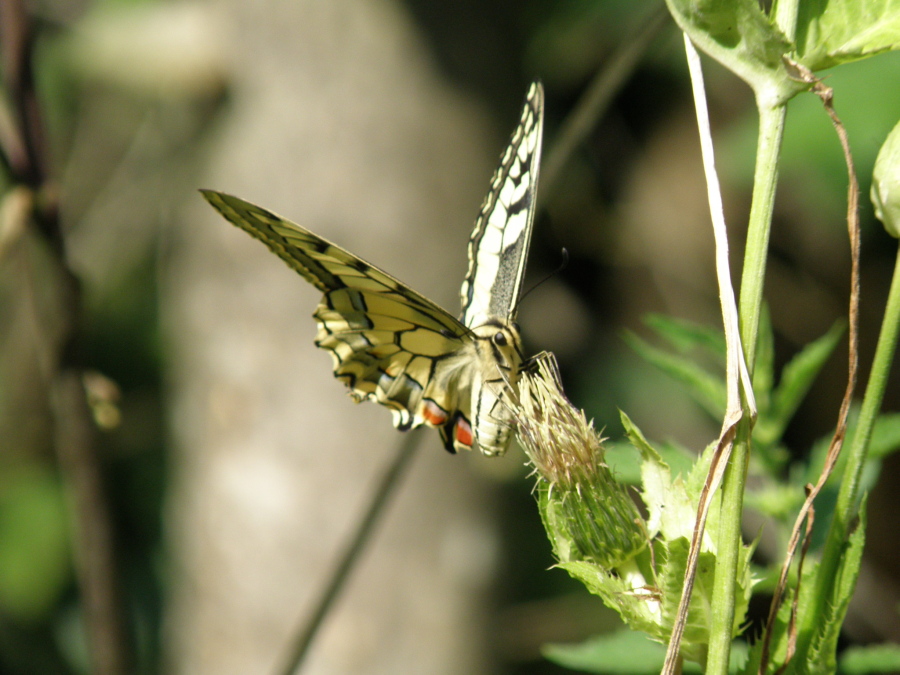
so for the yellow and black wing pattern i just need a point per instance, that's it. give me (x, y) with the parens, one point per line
(388, 343)
(393, 346)
(498, 247)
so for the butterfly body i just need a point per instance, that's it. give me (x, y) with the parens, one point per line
(391, 345)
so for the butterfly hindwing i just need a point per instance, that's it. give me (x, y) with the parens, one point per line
(387, 341)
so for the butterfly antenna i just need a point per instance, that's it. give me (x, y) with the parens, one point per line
(562, 265)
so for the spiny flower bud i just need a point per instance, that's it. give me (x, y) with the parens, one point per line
(587, 514)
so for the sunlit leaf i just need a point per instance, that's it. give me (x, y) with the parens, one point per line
(831, 32)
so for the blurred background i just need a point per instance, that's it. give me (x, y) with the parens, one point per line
(234, 465)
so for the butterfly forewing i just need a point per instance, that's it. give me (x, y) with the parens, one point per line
(498, 247)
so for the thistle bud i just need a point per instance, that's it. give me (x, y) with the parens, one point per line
(587, 514)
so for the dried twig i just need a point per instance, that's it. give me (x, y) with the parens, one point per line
(837, 441)
(738, 386)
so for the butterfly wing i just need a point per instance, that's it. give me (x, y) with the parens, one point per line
(498, 251)
(498, 247)
(389, 344)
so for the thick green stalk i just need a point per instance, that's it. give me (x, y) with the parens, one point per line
(771, 125)
(765, 178)
(728, 554)
(845, 510)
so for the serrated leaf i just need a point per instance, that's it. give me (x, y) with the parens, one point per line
(640, 610)
(707, 389)
(657, 495)
(636, 436)
(796, 380)
(831, 32)
(687, 335)
(823, 646)
(671, 503)
(871, 659)
(671, 579)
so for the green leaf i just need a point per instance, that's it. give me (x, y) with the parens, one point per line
(638, 610)
(739, 35)
(687, 335)
(872, 659)
(885, 436)
(34, 548)
(670, 579)
(671, 503)
(796, 379)
(778, 644)
(831, 32)
(764, 367)
(622, 653)
(625, 464)
(636, 436)
(780, 501)
(707, 389)
(823, 645)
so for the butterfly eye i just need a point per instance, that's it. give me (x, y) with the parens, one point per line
(500, 339)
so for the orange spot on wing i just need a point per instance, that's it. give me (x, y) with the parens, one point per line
(463, 433)
(433, 414)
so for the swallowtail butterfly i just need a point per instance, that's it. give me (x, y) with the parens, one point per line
(392, 345)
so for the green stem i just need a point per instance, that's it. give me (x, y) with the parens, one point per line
(728, 554)
(845, 511)
(785, 16)
(771, 126)
(765, 178)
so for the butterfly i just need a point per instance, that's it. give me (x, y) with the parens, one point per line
(392, 345)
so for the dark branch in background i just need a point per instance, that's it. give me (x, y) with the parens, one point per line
(16, 40)
(25, 155)
(600, 92)
(386, 487)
